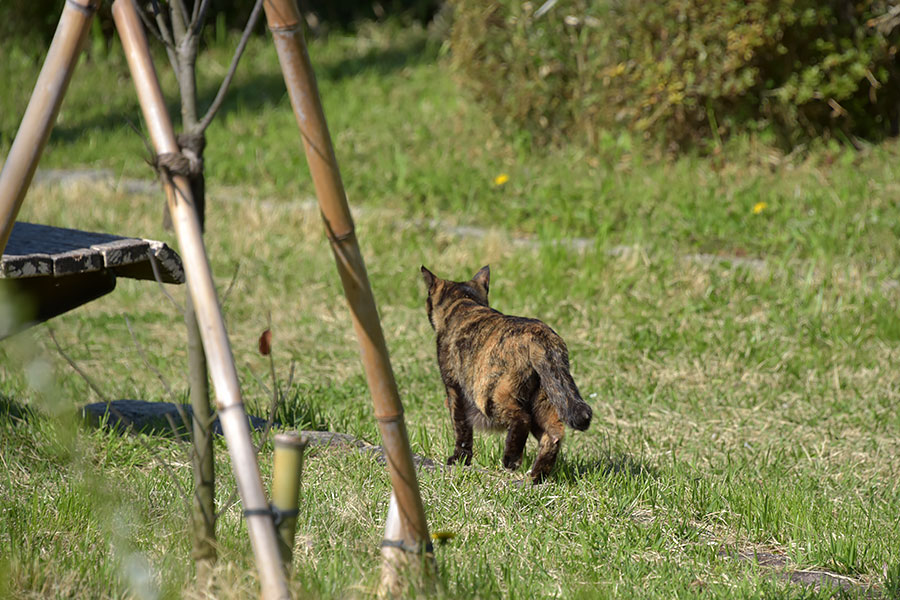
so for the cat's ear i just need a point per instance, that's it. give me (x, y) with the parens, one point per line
(483, 277)
(428, 276)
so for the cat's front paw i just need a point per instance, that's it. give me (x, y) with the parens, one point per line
(512, 464)
(460, 455)
(536, 477)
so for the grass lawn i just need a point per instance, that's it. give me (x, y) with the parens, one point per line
(740, 405)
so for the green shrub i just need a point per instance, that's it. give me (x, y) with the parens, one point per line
(683, 71)
(31, 19)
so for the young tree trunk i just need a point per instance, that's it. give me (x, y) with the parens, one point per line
(203, 505)
(178, 27)
(192, 143)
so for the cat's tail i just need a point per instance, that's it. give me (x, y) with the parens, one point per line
(552, 365)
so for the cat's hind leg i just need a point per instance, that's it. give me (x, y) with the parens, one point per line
(516, 436)
(462, 426)
(548, 428)
(508, 412)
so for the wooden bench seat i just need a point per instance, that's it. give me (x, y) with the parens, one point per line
(50, 270)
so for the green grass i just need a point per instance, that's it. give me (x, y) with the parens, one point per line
(736, 408)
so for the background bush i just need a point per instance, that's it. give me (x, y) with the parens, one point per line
(683, 71)
(29, 19)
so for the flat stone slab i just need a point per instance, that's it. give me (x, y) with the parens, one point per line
(154, 418)
(164, 418)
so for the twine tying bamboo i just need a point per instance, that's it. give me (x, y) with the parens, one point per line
(409, 549)
(278, 515)
(89, 9)
(188, 162)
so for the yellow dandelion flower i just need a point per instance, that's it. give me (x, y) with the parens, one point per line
(442, 537)
(759, 207)
(501, 179)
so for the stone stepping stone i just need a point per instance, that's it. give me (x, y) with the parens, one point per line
(153, 418)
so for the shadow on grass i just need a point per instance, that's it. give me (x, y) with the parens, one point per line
(76, 129)
(263, 90)
(410, 52)
(13, 411)
(611, 463)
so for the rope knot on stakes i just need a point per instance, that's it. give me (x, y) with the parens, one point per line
(409, 549)
(278, 515)
(192, 146)
(88, 9)
(188, 162)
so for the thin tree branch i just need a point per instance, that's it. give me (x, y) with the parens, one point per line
(274, 393)
(126, 422)
(77, 369)
(174, 429)
(164, 30)
(886, 22)
(169, 40)
(146, 362)
(230, 287)
(277, 397)
(151, 153)
(158, 276)
(155, 30)
(199, 16)
(201, 456)
(290, 380)
(220, 95)
(229, 502)
(259, 381)
(183, 415)
(186, 48)
(182, 10)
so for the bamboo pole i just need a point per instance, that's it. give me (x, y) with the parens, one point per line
(284, 22)
(287, 471)
(209, 315)
(396, 561)
(40, 116)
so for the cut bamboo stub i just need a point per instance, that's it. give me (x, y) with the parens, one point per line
(284, 22)
(287, 471)
(209, 315)
(47, 97)
(399, 564)
(395, 559)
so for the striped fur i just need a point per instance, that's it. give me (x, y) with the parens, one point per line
(502, 373)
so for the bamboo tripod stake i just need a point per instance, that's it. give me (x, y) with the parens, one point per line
(49, 90)
(209, 314)
(17, 173)
(284, 22)
(410, 532)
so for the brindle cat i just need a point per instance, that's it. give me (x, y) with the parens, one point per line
(502, 372)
